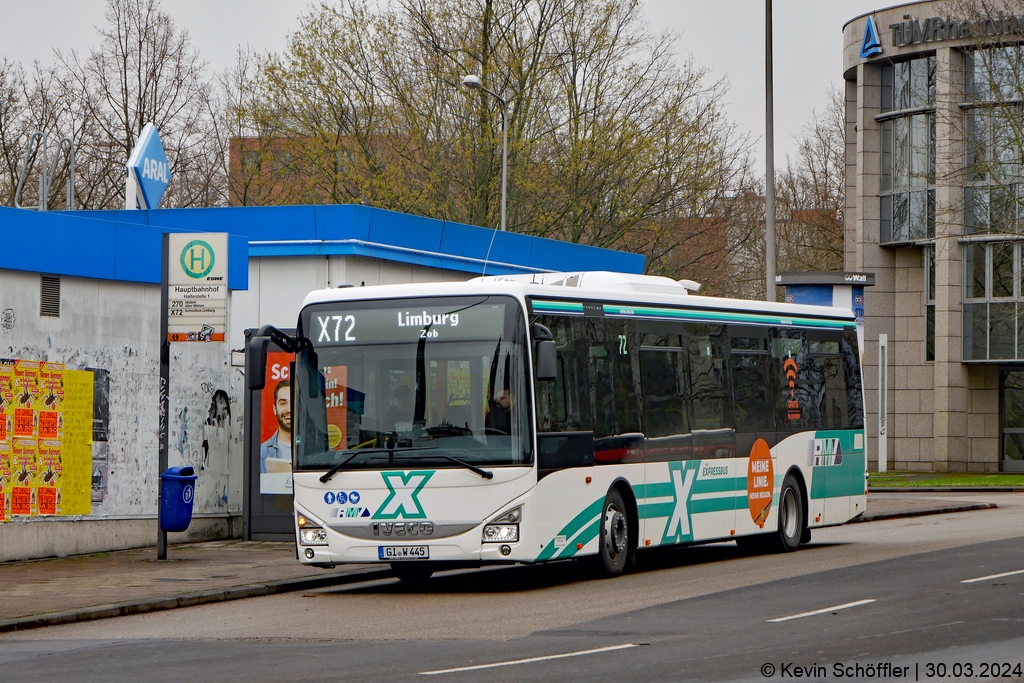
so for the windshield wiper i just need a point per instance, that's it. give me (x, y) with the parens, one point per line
(337, 468)
(486, 474)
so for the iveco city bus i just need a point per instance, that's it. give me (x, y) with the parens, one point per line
(532, 418)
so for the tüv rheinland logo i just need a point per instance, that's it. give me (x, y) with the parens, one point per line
(871, 45)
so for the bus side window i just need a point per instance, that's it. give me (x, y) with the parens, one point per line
(797, 381)
(713, 434)
(748, 368)
(613, 390)
(850, 353)
(559, 403)
(663, 378)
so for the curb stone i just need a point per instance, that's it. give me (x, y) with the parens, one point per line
(966, 507)
(946, 489)
(192, 599)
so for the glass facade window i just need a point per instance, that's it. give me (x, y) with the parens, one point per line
(994, 127)
(993, 74)
(907, 173)
(993, 302)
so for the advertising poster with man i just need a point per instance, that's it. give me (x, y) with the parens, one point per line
(276, 426)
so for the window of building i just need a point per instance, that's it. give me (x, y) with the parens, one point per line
(994, 139)
(992, 302)
(907, 172)
(993, 74)
(251, 165)
(929, 303)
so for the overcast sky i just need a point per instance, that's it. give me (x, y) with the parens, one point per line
(726, 36)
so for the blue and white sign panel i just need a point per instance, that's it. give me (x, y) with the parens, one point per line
(148, 170)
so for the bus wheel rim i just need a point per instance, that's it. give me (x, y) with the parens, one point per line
(789, 514)
(616, 533)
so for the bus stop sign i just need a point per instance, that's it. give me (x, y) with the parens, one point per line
(148, 168)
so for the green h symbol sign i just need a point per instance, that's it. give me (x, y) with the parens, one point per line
(197, 259)
(196, 256)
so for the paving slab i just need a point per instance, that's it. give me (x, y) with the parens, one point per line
(60, 590)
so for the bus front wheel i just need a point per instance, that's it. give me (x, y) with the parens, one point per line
(614, 542)
(791, 515)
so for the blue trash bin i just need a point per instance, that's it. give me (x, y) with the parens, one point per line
(177, 491)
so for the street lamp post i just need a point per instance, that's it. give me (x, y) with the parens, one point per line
(474, 82)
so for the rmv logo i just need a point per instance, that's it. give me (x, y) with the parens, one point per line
(197, 259)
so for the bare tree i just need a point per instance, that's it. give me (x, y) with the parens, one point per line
(144, 71)
(611, 141)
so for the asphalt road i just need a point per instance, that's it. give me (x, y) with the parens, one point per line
(889, 593)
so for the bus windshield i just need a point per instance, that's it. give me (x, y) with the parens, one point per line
(401, 383)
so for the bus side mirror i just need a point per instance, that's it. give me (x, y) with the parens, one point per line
(547, 360)
(256, 363)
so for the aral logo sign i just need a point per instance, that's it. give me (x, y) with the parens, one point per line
(403, 497)
(148, 170)
(197, 259)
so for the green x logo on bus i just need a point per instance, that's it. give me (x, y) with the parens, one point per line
(403, 497)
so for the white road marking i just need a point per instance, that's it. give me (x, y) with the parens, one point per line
(531, 659)
(993, 576)
(820, 611)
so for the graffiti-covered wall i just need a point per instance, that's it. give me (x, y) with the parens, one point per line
(79, 402)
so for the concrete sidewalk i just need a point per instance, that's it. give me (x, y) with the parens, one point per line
(65, 590)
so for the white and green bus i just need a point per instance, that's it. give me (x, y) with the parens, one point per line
(533, 418)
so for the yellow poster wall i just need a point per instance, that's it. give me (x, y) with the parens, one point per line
(45, 439)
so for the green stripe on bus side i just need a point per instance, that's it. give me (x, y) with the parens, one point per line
(717, 504)
(586, 536)
(721, 316)
(653, 510)
(656, 510)
(572, 527)
(720, 485)
(665, 488)
(560, 306)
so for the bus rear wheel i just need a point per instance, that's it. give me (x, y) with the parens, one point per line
(411, 571)
(614, 542)
(791, 516)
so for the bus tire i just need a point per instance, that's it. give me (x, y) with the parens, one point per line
(613, 543)
(411, 571)
(791, 515)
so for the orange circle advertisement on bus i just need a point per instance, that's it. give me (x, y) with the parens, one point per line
(760, 482)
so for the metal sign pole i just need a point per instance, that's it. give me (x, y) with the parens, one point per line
(883, 399)
(165, 378)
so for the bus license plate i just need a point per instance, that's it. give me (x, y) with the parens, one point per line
(403, 552)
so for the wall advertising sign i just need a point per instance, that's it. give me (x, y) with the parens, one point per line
(197, 286)
(275, 422)
(148, 171)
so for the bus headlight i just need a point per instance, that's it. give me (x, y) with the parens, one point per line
(312, 536)
(501, 533)
(505, 527)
